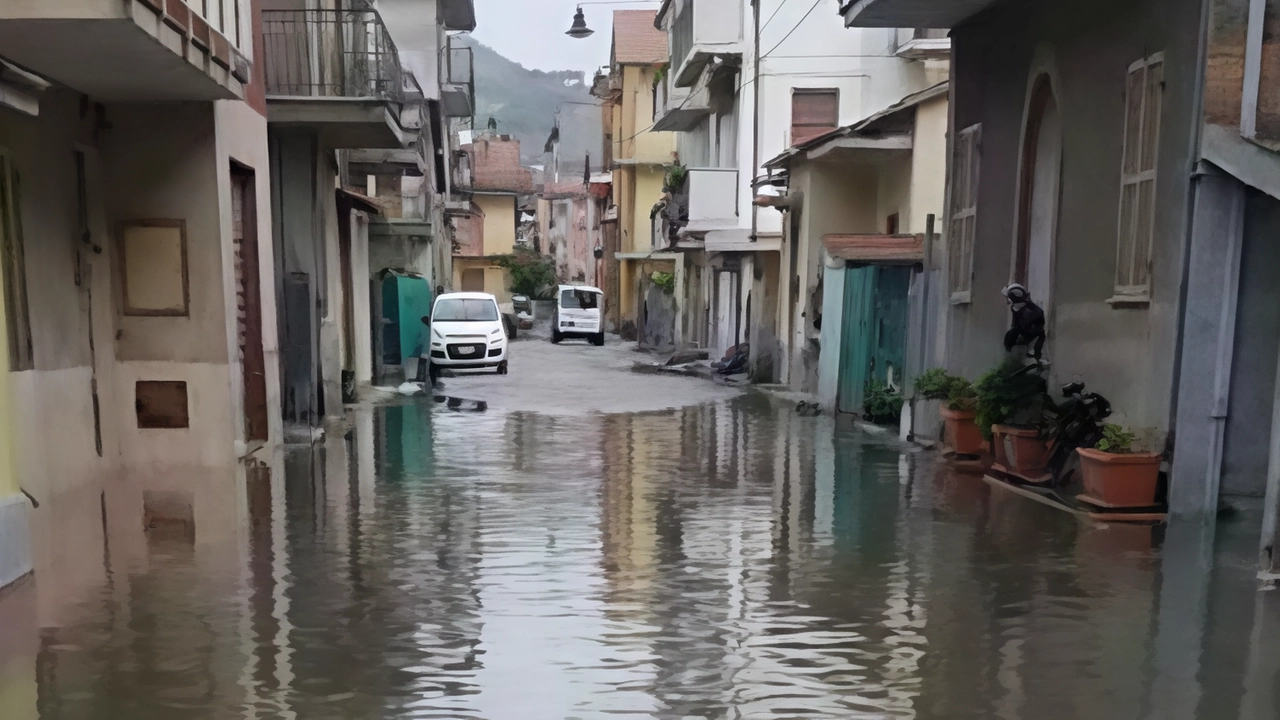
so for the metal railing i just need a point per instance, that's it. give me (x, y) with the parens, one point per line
(457, 70)
(330, 53)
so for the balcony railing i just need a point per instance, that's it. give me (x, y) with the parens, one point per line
(330, 53)
(458, 79)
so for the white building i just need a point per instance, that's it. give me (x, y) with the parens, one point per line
(732, 113)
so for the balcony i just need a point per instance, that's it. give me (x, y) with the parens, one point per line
(678, 109)
(131, 50)
(457, 80)
(923, 44)
(702, 30)
(713, 199)
(336, 73)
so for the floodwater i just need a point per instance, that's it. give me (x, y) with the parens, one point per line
(730, 560)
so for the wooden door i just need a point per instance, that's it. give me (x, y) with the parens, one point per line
(244, 224)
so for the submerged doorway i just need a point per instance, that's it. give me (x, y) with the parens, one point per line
(1038, 194)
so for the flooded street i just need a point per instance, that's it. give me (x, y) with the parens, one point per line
(723, 560)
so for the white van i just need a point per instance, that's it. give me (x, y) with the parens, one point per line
(578, 314)
(467, 333)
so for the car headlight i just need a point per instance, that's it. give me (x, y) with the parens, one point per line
(496, 332)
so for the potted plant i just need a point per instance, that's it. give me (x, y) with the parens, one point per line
(1117, 476)
(881, 403)
(958, 408)
(1010, 412)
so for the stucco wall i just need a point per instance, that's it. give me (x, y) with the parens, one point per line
(499, 223)
(1086, 49)
(637, 114)
(648, 191)
(928, 166)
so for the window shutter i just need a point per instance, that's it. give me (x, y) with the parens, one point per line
(1144, 90)
(813, 113)
(963, 225)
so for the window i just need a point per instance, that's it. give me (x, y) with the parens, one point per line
(17, 315)
(813, 113)
(964, 210)
(1138, 178)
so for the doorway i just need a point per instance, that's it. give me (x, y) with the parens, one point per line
(1040, 185)
(473, 280)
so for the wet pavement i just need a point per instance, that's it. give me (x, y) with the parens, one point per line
(723, 559)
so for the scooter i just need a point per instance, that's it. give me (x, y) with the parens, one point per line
(1077, 423)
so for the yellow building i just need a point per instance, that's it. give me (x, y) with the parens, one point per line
(490, 230)
(638, 158)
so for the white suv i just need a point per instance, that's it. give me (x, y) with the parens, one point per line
(467, 332)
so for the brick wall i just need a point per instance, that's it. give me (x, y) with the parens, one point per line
(495, 163)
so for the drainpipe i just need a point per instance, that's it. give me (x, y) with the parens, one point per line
(755, 120)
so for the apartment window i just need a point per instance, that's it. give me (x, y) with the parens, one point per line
(813, 113)
(14, 268)
(964, 210)
(1138, 178)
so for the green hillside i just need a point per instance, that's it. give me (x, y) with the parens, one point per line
(523, 101)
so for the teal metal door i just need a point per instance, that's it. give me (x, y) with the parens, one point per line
(873, 339)
(855, 336)
(889, 347)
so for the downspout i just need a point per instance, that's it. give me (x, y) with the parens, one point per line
(755, 120)
(1193, 175)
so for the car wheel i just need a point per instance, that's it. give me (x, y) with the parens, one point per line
(502, 368)
(597, 339)
(556, 337)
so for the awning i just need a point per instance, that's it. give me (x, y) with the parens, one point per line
(889, 129)
(911, 13)
(876, 249)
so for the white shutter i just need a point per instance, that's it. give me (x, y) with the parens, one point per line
(963, 224)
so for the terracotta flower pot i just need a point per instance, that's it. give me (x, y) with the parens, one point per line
(1127, 480)
(963, 435)
(1020, 450)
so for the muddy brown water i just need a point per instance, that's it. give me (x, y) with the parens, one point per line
(730, 560)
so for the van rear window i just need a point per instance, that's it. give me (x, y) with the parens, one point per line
(579, 300)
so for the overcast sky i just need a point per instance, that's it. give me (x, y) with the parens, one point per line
(531, 32)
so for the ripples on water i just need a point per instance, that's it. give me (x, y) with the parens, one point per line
(727, 561)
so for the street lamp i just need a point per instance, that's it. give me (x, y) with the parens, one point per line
(579, 29)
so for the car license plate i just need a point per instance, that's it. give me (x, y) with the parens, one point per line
(466, 351)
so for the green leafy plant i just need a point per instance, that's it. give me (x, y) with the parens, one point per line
(938, 384)
(881, 403)
(661, 73)
(674, 177)
(1011, 395)
(1115, 440)
(531, 273)
(664, 280)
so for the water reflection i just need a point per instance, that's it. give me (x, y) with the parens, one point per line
(723, 561)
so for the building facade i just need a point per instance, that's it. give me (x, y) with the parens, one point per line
(746, 81)
(1120, 160)
(138, 274)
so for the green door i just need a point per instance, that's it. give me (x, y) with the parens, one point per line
(855, 336)
(873, 339)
